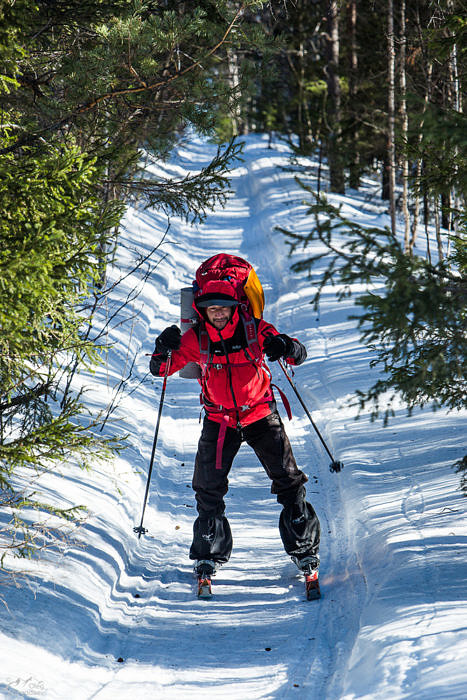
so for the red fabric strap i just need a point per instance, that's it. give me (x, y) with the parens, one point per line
(220, 441)
(285, 401)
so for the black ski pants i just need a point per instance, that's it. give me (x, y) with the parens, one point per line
(298, 525)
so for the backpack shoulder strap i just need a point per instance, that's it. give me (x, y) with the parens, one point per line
(250, 324)
(204, 343)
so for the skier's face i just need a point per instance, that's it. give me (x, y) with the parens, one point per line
(219, 316)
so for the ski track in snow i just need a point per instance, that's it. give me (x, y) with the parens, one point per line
(118, 618)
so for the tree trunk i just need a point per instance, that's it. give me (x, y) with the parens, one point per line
(446, 211)
(385, 178)
(456, 99)
(320, 166)
(405, 130)
(439, 242)
(420, 161)
(234, 83)
(335, 160)
(305, 129)
(391, 143)
(426, 218)
(355, 167)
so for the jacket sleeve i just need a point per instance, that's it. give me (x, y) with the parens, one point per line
(298, 354)
(187, 352)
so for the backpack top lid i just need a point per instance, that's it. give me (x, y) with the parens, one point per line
(239, 273)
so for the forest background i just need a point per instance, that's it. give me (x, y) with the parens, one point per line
(91, 92)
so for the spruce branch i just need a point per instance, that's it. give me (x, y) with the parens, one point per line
(412, 312)
(95, 102)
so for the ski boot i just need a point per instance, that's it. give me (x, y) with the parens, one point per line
(310, 567)
(205, 569)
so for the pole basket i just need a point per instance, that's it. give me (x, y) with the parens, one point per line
(336, 467)
(140, 530)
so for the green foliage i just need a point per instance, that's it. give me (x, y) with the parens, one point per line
(127, 77)
(443, 148)
(461, 468)
(85, 88)
(141, 76)
(53, 227)
(193, 196)
(413, 313)
(51, 238)
(46, 435)
(288, 96)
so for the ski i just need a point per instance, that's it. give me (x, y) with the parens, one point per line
(312, 586)
(204, 570)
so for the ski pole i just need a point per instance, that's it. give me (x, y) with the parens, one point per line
(335, 466)
(139, 529)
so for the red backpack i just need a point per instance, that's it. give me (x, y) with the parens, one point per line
(241, 276)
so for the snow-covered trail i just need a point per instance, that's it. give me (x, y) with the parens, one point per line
(119, 618)
(258, 625)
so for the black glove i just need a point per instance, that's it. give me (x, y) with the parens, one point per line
(277, 346)
(168, 340)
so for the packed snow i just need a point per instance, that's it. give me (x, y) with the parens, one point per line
(116, 617)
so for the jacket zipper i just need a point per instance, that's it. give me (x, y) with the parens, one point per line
(229, 372)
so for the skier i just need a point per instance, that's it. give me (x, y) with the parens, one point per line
(239, 406)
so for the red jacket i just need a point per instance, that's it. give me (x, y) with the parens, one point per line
(236, 385)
